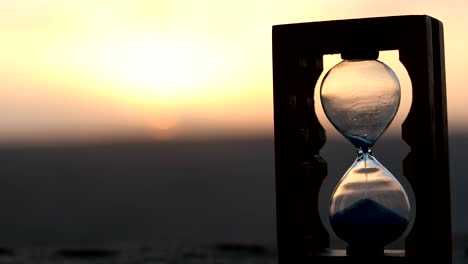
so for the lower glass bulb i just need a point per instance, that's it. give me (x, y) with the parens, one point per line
(369, 207)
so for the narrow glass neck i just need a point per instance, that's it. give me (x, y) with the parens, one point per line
(364, 151)
(362, 144)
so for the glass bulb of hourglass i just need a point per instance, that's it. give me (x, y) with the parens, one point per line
(360, 98)
(369, 207)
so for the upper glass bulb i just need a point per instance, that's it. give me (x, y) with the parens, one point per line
(360, 98)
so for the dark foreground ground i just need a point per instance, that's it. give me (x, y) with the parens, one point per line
(165, 200)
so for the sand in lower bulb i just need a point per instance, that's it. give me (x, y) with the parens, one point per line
(367, 224)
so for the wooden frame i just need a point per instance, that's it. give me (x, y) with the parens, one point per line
(298, 51)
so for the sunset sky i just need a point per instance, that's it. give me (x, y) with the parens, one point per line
(171, 69)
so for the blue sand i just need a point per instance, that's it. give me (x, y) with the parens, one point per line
(367, 223)
(361, 143)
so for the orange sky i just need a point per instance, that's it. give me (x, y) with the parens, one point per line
(109, 68)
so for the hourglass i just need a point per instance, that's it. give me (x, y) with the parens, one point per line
(360, 96)
(369, 207)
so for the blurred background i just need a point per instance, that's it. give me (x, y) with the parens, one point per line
(153, 120)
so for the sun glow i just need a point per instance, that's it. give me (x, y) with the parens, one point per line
(143, 67)
(150, 78)
(155, 68)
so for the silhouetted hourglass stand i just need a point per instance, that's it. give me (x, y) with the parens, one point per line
(360, 96)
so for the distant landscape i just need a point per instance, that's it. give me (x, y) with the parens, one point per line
(198, 191)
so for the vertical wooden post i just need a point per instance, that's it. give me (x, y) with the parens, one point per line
(298, 139)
